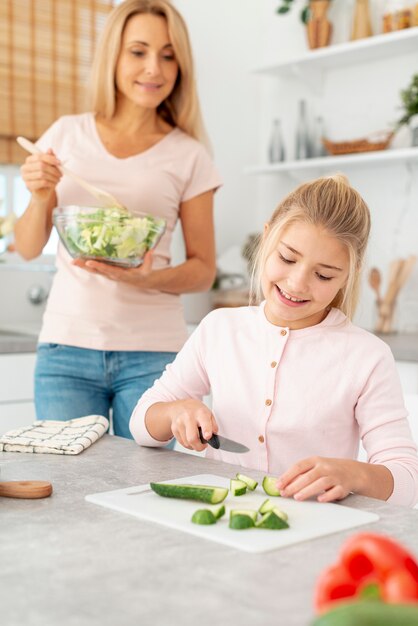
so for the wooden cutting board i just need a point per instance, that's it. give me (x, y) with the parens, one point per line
(307, 520)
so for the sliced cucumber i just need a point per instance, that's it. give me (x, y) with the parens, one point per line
(219, 512)
(270, 486)
(237, 487)
(271, 521)
(240, 521)
(250, 482)
(203, 517)
(267, 506)
(203, 493)
(248, 512)
(281, 513)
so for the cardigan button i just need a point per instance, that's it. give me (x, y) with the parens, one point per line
(268, 402)
(283, 332)
(261, 439)
(273, 363)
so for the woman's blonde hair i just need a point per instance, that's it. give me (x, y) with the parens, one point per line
(181, 108)
(329, 203)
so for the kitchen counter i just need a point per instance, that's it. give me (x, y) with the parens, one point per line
(69, 562)
(14, 343)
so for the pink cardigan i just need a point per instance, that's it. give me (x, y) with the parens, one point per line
(289, 394)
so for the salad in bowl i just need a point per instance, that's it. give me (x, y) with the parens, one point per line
(111, 235)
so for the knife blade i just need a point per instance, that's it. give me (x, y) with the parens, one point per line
(223, 443)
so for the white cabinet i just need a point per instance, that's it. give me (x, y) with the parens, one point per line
(16, 390)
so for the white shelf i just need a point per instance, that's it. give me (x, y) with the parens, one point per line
(369, 49)
(402, 155)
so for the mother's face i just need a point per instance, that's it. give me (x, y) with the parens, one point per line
(146, 69)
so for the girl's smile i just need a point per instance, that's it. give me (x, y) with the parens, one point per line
(302, 275)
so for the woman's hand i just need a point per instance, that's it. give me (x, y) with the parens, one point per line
(186, 417)
(41, 174)
(136, 276)
(329, 479)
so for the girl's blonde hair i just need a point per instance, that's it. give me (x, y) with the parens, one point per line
(181, 108)
(329, 203)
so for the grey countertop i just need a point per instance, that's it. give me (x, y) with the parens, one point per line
(66, 561)
(403, 346)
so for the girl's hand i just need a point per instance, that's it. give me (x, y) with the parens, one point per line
(41, 174)
(187, 415)
(136, 276)
(329, 479)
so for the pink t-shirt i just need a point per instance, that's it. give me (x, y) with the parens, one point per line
(290, 394)
(90, 311)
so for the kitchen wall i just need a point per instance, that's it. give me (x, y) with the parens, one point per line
(232, 38)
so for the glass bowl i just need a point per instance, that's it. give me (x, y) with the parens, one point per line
(111, 235)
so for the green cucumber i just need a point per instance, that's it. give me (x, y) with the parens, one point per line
(250, 482)
(248, 512)
(271, 521)
(219, 512)
(237, 487)
(203, 517)
(240, 522)
(203, 493)
(270, 486)
(369, 613)
(267, 506)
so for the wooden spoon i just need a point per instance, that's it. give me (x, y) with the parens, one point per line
(375, 280)
(105, 198)
(28, 489)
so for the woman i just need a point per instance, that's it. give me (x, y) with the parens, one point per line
(108, 332)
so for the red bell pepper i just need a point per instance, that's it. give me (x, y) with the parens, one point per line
(370, 565)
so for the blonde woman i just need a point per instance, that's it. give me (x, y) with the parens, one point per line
(109, 332)
(293, 379)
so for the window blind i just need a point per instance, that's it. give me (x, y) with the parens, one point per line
(46, 50)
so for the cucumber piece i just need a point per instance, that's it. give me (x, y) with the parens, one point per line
(237, 487)
(250, 482)
(248, 512)
(219, 512)
(203, 493)
(271, 521)
(240, 521)
(369, 613)
(203, 517)
(281, 513)
(267, 506)
(270, 486)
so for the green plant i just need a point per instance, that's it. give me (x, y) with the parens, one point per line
(286, 5)
(409, 97)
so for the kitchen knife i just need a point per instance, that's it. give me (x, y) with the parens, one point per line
(223, 443)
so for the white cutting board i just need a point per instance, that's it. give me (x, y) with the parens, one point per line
(307, 520)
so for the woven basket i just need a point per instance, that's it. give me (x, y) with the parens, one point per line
(367, 144)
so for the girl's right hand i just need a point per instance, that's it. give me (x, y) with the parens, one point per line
(41, 174)
(188, 415)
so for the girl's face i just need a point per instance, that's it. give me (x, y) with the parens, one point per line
(146, 70)
(302, 276)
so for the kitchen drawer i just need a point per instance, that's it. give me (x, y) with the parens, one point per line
(16, 377)
(16, 415)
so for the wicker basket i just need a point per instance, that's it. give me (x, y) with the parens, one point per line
(377, 141)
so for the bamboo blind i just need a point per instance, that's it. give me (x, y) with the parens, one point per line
(46, 49)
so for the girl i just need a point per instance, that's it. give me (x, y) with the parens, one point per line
(293, 379)
(108, 332)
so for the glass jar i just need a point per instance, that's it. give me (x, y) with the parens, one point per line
(397, 15)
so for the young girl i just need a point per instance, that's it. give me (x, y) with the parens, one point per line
(293, 379)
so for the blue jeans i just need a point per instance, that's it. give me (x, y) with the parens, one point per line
(72, 382)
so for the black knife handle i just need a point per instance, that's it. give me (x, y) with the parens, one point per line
(213, 441)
